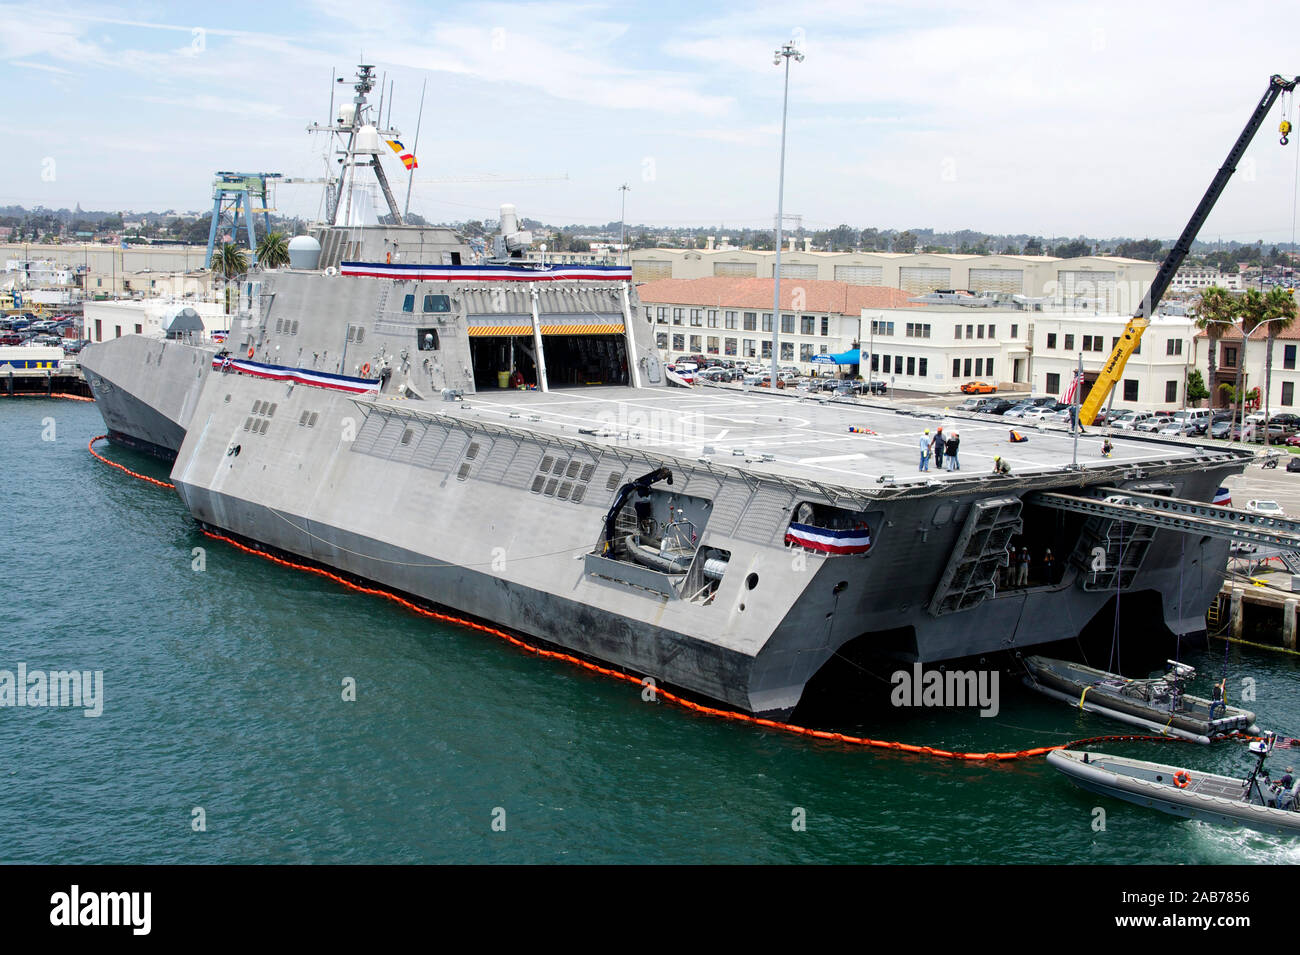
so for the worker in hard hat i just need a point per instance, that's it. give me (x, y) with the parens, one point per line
(1000, 466)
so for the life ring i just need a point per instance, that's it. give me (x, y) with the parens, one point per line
(1181, 779)
(250, 351)
(365, 369)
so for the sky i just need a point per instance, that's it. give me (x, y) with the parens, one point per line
(1068, 118)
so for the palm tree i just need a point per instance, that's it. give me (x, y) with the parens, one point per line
(230, 262)
(273, 251)
(1252, 316)
(1215, 312)
(1280, 311)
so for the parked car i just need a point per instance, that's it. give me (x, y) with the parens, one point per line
(978, 388)
(1293, 465)
(1221, 430)
(1131, 421)
(997, 406)
(1266, 508)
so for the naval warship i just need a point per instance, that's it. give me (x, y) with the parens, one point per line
(502, 439)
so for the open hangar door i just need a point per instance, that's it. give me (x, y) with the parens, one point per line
(577, 351)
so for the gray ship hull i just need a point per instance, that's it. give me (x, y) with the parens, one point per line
(495, 506)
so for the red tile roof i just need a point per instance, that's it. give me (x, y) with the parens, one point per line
(722, 291)
(1258, 335)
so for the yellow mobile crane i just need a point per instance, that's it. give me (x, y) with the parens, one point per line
(1128, 342)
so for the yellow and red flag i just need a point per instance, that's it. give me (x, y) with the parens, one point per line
(408, 158)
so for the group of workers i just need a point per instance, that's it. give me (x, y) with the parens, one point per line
(942, 447)
(1016, 573)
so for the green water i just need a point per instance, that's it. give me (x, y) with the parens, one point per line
(223, 691)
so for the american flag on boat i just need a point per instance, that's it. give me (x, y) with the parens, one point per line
(828, 541)
(299, 376)
(1073, 391)
(1223, 497)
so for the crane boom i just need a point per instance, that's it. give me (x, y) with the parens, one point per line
(1132, 337)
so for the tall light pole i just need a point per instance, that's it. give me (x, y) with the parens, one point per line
(622, 217)
(786, 51)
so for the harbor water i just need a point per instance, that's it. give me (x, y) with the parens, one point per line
(228, 732)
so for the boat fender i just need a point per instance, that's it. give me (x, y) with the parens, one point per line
(1181, 779)
(250, 351)
(365, 369)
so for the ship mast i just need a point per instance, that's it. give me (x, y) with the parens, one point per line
(361, 147)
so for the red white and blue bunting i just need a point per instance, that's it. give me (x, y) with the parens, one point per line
(486, 273)
(298, 376)
(828, 541)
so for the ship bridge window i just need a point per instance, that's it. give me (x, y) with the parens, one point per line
(437, 303)
(426, 339)
(408, 303)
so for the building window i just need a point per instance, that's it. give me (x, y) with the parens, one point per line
(966, 366)
(805, 352)
(970, 331)
(1098, 344)
(988, 367)
(139, 330)
(1130, 389)
(1053, 383)
(979, 331)
(1051, 339)
(661, 340)
(713, 318)
(677, 316)
(808, 325)
(1229, 357)
(1288, 357)
(787, 324)
(408, 303)
(956, 368)
(957, 330)
(979, 367)
(787, 351)
(767, 348)
(730, 319)
(875, 363)
(661, 315)
(1288, 393)
(751, 321)
(911, 365)
(695, 343)
(749, 348)
(1015, 331)
(921, 364)
(1174, 346)
(885, 359)
(712, 345)
(993, 331)
(696, 317)
(767, 321)
(1171, 391)
(1069, 342)
(729, 346)
(826, 324)
(882, 328)
(679, 343)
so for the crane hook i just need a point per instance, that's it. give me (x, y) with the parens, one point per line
(1284, 129)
